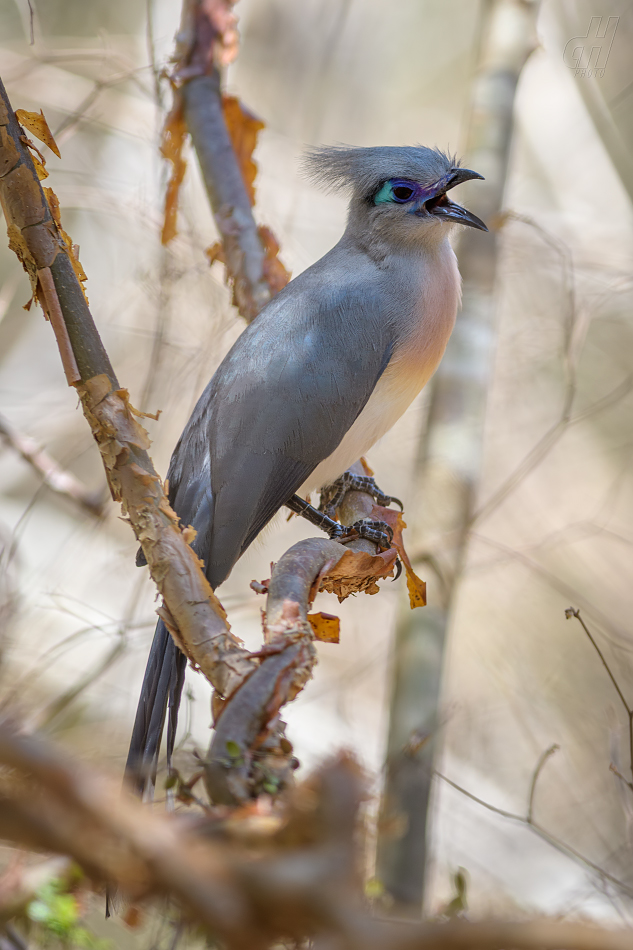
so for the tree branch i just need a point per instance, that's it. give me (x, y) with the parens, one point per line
(193, 614)
(247, 886)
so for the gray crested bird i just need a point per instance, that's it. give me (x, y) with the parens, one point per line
(315, 380)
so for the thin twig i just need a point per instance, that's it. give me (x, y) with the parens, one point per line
(572, 612)
(31, 23)
(542, 833)
(54, 477)
(537, 771)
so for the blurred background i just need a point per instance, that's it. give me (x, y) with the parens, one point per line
(553, 514)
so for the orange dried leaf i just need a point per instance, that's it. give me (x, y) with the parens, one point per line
(133, 917)
(40, 168)
(325, 627)
(275, 274)
(215, 253)
(172, 142)
(415, 586)
(243, 128)
(37, 126)
(357, 571)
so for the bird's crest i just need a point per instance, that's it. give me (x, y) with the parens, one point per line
(360, 171)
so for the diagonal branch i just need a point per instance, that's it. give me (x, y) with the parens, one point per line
(193, 614)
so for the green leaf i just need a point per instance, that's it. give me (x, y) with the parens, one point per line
(233, 750)
(38, 910)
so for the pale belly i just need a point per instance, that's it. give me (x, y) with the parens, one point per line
(408, 372)
(406, 375)
(391, 397)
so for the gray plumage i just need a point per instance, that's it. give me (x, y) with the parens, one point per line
(323, 371)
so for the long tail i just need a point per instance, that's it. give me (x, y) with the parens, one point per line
(162, 687)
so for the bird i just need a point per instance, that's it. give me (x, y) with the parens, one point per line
(323, 371)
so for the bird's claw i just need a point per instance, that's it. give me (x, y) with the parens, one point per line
(379, 532)
(332, 495)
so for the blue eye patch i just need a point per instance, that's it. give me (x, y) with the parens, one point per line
(401, 190)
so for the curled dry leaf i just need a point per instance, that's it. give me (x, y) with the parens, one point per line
(325, 627)
(40, 168)
(275, 274)
(357, 571)
(37, 126)
(415, 586)
(171, 146)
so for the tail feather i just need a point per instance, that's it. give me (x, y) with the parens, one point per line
(162, 687)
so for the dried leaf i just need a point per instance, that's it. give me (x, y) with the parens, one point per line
(357, 571)
(133, 917)
(415, 586)
(40, 168)
(243, 128)
(172, 142)
(215, 253)
(37, 126)
(325, 627)
(275, 274)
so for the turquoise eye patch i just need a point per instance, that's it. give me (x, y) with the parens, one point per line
(400, 191)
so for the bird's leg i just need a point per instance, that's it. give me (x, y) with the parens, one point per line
(301, 507)
(377, 531)
(332, 495)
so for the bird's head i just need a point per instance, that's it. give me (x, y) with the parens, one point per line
(397, 194)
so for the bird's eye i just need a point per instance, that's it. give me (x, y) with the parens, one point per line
(402, 192)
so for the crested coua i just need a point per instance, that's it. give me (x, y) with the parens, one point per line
(316, 379)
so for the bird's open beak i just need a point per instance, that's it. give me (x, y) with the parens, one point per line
(442, 207)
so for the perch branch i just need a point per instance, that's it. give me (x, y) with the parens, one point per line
(248, 751)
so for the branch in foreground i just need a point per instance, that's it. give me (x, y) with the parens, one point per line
(53, 475)
(248, 883)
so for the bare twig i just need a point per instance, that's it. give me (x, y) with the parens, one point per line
(528, 820)
(535, 777)
(53, 476)
(572, 612)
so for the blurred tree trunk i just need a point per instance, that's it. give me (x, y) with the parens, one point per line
(600, 62)
(448, 463)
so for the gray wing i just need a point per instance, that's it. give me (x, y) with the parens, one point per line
(279, 404)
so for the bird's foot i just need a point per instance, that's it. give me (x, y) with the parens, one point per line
(332, 495)
(379, 532)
